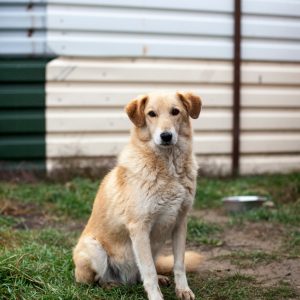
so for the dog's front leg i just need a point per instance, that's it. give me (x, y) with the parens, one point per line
(139, 234)
(178, 242)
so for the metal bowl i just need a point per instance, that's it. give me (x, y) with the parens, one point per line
(235, 204)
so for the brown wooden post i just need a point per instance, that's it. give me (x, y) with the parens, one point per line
(236, 89)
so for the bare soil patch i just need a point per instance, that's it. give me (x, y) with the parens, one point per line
(27, 215)
(262, 237)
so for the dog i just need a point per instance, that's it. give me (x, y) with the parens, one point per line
(145, 200)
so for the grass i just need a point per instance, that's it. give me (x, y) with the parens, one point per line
(244, 259)
(36, 257)
(200, 232)
(288, 214)
(292, 243)
(71, 200)
(242, 287)
(282, 189)
(41, 269)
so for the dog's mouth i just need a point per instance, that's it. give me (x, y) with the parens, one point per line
(166, 144)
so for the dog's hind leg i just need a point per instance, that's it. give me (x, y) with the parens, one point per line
(91, 261)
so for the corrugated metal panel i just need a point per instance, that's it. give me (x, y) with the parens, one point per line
(189, 5)
(116, 94)
(213, 165)
(86, 98)
(270, 142)
(27, 2)
(22, 114)
(22, 121)
(32, 95)
(19, 149)
(270, 118)
(166, 29)
(23, 28)
(23, 70)
(271, 74)
(254, 164)
(271, 30)
(270, 96)
(137, 71)
(289, 8)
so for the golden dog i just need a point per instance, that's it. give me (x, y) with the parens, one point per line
(144, 201)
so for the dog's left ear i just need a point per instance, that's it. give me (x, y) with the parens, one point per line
(135, 111)
(192, 103)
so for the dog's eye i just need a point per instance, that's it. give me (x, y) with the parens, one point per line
(152, 114)
(175, 111)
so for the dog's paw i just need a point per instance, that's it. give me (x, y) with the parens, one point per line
(163, 280)
(185, 294)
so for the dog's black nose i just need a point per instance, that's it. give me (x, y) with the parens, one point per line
(166, 136)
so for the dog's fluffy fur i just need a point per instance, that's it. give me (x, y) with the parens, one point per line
(144, 201)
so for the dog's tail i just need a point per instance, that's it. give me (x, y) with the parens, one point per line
(164, 264)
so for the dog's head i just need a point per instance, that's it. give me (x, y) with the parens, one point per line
(163, 117)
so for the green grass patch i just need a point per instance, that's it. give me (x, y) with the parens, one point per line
(41, 268)
(200, 232)
(242, 287)
(288, 214)
(283, 290)
(73, 199)
(281, 189)
(7, 221)
(244, 259)
(292, 243)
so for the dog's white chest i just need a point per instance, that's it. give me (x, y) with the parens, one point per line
(167, 200)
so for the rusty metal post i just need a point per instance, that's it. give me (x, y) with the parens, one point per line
(236, 89)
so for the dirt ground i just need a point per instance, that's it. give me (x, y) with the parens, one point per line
(262, 236)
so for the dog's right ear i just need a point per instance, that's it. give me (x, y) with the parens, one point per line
(135, 110)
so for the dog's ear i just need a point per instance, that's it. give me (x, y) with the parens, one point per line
(192, 103)
(135, 111)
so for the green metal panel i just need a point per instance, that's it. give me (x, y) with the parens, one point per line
(22, 147)
(22, 114)
(21, 121)
(26, 95)
(23, 70)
